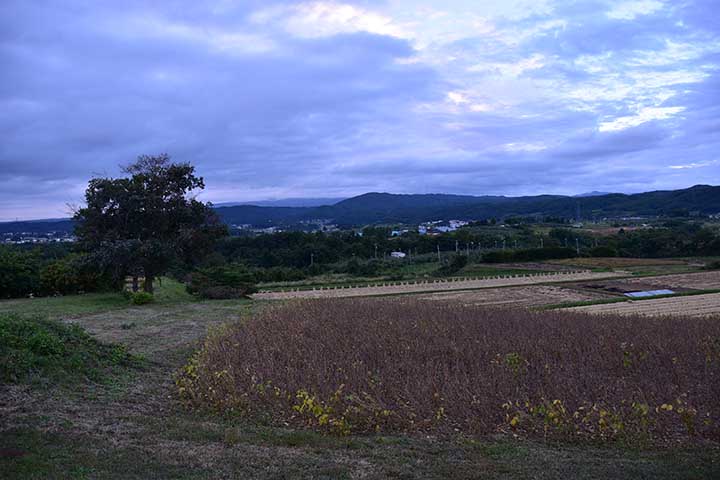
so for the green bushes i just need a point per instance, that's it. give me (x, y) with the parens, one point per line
(32, 349)
(19, 273)
(24, 273)
(529, 254)
(227, 281)
(69, 276)
(603, 251)
(141, 298)
(455, 265)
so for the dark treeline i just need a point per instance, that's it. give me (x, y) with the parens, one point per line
(290, 256)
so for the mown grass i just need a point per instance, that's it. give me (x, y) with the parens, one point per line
(170, 292)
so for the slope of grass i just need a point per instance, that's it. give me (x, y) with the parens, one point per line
(48, 351)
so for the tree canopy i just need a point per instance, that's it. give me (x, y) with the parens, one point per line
(140, 224)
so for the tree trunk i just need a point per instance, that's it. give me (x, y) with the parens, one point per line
(148, 287)
(134, 283)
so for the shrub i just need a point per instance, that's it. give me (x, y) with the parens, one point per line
(603, 251)
(19, 273)
(530, 254)
(70, 275)
(366, 365)
(712, 266)
(456, 264)
(33, 349)
(141, 298)
(278, 274)
(227, 281)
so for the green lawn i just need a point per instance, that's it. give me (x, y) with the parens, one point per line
(169, 292)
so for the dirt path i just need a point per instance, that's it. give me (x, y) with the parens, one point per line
(439, 285)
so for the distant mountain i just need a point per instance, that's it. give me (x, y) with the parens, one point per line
(375, 208)
(285, 202)
(65, 225)
(592, 194)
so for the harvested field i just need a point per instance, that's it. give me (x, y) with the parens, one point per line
(695, 305)
(434, 286)
(530, 296)
(695, 281)
(616, 262)
(682, 282)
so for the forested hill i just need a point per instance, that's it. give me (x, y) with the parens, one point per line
(390, 208)
(372, 208)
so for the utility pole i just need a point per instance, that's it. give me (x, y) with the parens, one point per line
(438, 251)
(577, 245)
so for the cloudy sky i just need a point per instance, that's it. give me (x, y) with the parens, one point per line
(273, 99)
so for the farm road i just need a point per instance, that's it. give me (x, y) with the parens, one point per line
(438, 286)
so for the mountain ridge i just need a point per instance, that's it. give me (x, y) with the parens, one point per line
(381, 207)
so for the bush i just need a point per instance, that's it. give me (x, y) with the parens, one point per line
(456, 264)
(712, 266)
(278, 274)
(70, 275)
(227, 281)
(603, 252)
(19, 273)
(530, 254)
(141, 298)
(32, 349)
(369, 365)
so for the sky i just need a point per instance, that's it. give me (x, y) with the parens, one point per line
(273, 99)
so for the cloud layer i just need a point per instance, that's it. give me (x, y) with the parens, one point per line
(321, 98)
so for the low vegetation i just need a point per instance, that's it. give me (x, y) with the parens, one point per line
(222, 282)
(40, 350)
(406, 366)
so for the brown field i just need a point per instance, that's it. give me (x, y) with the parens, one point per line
(434, 286)
(617, 262)
(696, 305)
(695, 281)
(400, 365)
(527, 296)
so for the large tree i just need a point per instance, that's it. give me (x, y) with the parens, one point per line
(140, 224)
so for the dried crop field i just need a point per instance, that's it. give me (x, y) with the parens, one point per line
(616, 262)
(438, 285)
(527, 296)
(695, 281)
(402, 365)
(695, 305)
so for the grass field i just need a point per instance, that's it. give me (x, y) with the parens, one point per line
(134, 427)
